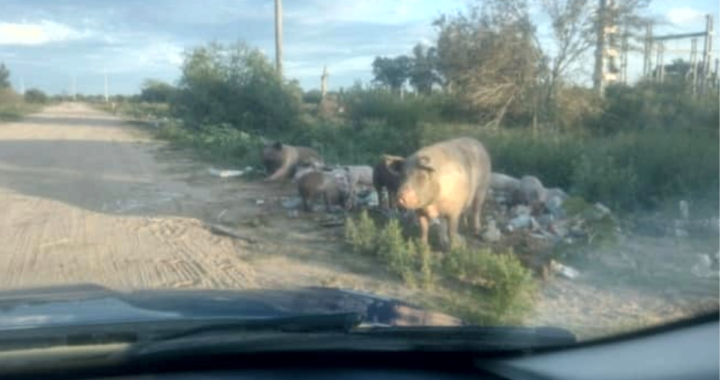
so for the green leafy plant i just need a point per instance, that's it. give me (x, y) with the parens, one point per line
(362, 234)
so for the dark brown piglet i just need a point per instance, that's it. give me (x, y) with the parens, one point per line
(385, 177)
(314, 185)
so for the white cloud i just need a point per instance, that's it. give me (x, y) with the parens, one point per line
(149, 56)
(372, 11)
(684, 16)
(353, 65)
(38, 33)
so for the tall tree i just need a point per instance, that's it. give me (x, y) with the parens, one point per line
(154, 91)
(235, 84)
(493, 55)
(423, 72)
(392, 72)
(489, 58)
(4, 76)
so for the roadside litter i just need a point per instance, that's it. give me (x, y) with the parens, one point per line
(226, 173)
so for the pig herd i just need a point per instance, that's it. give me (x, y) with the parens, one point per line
(448, 180)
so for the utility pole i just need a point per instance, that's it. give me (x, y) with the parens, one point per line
(693, 65)
(707, 49)
(22, 85)
(606, 51)
(74, 89)
(624, 59)
(660, 70)
(323, 82)
(278, 37)
(106, 85)
(598, 82)
(647, 51)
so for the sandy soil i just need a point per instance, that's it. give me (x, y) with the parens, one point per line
(85, 197)
(88, 198)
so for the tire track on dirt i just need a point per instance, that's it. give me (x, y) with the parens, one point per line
(82, 199)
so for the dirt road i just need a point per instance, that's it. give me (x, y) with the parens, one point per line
(86, 197)
(83, 200)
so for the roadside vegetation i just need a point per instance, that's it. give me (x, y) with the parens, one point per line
(14, 106)
(478, 285)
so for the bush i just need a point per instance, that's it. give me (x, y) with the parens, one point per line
(650, 105)
(154, 91)
(398, 253)
(312, 97)
(381, 117)
(503, 287)
(12, 105)
(35, 95)
(598, 178)
(511, 285)
(217, 143)
(237, 85)
(361, 234)
(140, 110)
(642, 170)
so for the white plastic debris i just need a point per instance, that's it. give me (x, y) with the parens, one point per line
(521, 210)
(564, 270)
(534, 225)
(684, 209)
(546, 220)
(291, 203)
(259, 202)
(520, 222)
(369, 199)
(222, 173)
(604, 210)
(703, 267)
(491, 234)
(554, 204)
(680, 230)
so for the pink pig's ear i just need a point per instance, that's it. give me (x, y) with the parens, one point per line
(425, 163)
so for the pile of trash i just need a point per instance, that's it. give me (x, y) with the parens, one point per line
(525, 205)
(706, 265)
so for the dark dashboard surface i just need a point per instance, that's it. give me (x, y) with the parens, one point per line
(335, 373)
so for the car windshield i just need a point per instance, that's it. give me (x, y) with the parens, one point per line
(517, 163)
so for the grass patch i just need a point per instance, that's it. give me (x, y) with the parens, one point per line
(477, 285)
(219, 144)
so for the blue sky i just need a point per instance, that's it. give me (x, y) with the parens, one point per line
(47, 42)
